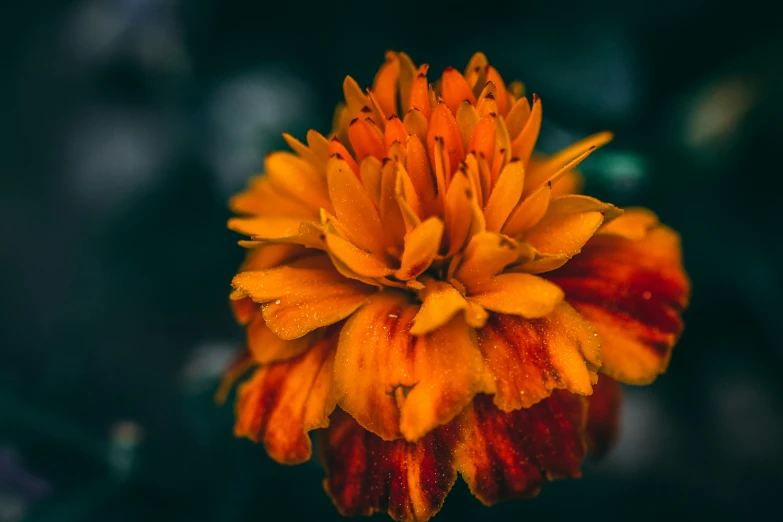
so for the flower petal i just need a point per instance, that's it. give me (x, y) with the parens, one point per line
(354, 207)
(486, 255)
(421, 247)
(395, 383)
(634, 293)
(357, 260)
(278, 229)
(282, 402)
(296, 177)
(266, 347)
(540, 171)
(522, 146)
(518, 294)
(366, 474)
(569, 222)
(505, 195)
(302, 296)
(440, 302)
(530, 358)
(262, 199)
(603, 422)
(512, 455)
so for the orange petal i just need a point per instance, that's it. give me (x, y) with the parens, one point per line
(294, 176)
(529, 212)
(366, 140)
(357, 260)
(455, 90)
(486, 103)
(365, 474)
(266, 347)
(355, 98)
(440, 302)
(394, 383)
(243, 307)
(481, 175)
(512, 455)
(338, 150)
(262, 199)
(278, 229)
(315, 153)
(460, 212)
(395, 131)
(522, 146)
(421, 247)
(443, 125)
(417, 165)
(633, 292)
(467, 118)
(530, 358)
(370, 174)
(634, 224)
(518, 294)
(385, 84)
(420, 99)
(354, 207)
(502, 95)
(517, 117)
(539, 172)
(484, 257)
(571, 182)
(302, 296)
(416, 124)
(482, 141)
(282, 402)
(272, 255)
(505, 195)
(569, 222)
(392, 218)
(603, 422)
(476, 72)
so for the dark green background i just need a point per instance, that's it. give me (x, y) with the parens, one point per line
(126, 124)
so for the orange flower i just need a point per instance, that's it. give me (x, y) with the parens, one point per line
(412, 284)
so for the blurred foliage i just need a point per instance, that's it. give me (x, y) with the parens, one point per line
(129, 122)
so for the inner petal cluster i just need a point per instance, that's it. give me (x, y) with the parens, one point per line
(430, 189)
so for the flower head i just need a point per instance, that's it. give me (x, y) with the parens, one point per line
(434, 293)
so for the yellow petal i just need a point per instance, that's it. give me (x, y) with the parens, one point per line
(517, 117)
(354, 207)
(522, 146)
(421, 247)
(394, 383)
(370, 174)
(262, 199)
(440, 303)
(294, 176)
(505, 195)
(278, 229)
(460, 200)
(467, 118)
(634, 224)
(529, 212)
(569, 222)
(357, 260)
(539, 172)
(518, 294)
(305, 295)
(485, 256)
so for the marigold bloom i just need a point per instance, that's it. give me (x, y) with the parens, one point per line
(433, 294)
